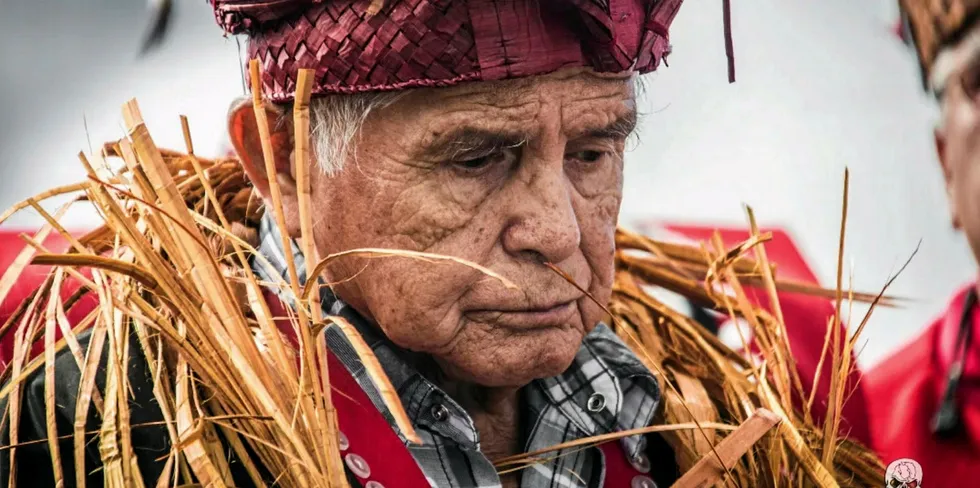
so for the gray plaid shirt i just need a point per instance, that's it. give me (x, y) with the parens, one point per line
(606, 389)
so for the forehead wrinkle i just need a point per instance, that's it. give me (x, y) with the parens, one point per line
(483, 94)
(510, 92)
(612, 116)
(620, 128)
(510, 109)
(536, 89)
(510, 122)
(493, 103)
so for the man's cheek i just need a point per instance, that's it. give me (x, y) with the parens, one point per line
(426, 314)
(605, 208)
(425, 214)
(597, 196)
(598, 218)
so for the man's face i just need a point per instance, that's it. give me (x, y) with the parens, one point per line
(505, 175)
(958, 140)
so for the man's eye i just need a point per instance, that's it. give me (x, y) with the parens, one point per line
(474, 164)
(588, 156)
(477, 165)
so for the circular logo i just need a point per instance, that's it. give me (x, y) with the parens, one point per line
(903, 473)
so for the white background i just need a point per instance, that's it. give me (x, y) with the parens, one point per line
(821, 86)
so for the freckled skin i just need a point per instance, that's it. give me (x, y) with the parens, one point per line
(547, 203)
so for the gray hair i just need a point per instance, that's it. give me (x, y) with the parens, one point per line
(336, 120)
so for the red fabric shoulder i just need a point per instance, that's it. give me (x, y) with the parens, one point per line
(904, 392)
(30, 280)
(371, 449)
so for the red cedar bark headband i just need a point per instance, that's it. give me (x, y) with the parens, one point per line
(372, 45)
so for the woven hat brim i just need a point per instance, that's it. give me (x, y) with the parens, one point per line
(430, 43)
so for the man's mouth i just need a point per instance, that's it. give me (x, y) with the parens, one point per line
(527, 318)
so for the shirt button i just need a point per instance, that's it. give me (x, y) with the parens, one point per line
(373, 484)
(596, 402)
(641, 463)
(440, 412)
(343, 441)
(642, 482)
(357, 465)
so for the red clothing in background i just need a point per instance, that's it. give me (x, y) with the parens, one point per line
(806, 320)
(905, 390)
(30, 279)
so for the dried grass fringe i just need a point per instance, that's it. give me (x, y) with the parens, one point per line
(171, 263)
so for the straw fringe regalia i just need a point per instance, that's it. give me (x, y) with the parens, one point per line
(248, 388)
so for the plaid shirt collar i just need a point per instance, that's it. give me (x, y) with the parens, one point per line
(606, 389)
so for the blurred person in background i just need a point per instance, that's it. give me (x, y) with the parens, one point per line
(925, 398)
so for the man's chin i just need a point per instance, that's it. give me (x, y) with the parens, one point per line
(519, 369)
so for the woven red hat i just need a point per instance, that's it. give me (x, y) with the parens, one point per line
(372, 45)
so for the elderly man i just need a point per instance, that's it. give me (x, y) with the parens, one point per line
(488, 130)
(925, 399)
(520, 168)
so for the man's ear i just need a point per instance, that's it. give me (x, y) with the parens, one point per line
(945, 165)
(244, 134)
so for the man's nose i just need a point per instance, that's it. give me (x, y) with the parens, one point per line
(543, 222)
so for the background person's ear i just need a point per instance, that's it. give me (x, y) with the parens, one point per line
(244, 134)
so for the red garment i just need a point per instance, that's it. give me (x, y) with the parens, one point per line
(905, 390)
(30, 279)
(419, 43)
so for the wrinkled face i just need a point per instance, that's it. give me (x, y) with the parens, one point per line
(958, 139)
(505, 175)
